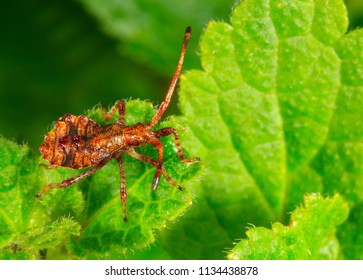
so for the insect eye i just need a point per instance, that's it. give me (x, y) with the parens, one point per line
(135, 143)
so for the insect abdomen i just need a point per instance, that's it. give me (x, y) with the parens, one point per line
(67, 145)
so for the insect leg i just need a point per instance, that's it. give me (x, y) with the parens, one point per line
(70, 181)
(169, 130)
(123, 194)
(155, 163)
(120, 106)
(158, 145)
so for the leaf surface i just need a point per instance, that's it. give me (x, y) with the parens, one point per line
(309, 235)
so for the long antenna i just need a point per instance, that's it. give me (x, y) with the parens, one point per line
(164, 105)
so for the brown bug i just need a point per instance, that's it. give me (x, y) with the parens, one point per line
(79, 142)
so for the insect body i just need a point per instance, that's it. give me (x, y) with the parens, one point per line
(79, 142)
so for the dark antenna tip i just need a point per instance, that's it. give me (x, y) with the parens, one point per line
(188, 30)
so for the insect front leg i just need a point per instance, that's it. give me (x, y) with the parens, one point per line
(123, 194)
(120, 106)
(169, 130)
(70, 181)
(158, 145)
(155, 163)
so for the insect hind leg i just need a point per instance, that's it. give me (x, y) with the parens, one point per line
(155, 163)
(169, 130)
(66, 183)
(123, 193)
(121, 107)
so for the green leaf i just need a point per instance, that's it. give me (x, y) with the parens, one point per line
(17, 187)
(10, 255)
(310, 234)
(41, 238)
(275, 113)
(26, 225)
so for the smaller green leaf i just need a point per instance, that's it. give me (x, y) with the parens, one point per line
(18, 187)
(9, 254)
(26, 224)
(310, 234)
(39, 238)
